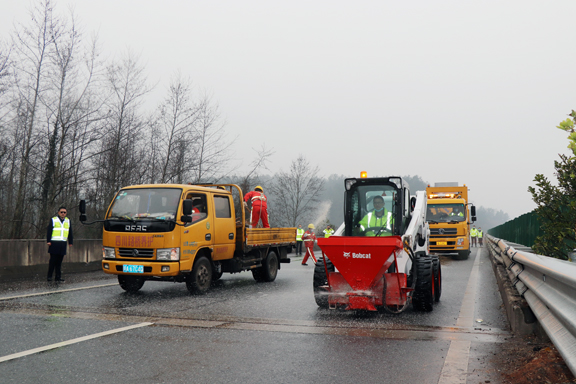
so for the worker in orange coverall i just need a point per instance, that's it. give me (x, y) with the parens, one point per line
(309, 239)
(259, 207)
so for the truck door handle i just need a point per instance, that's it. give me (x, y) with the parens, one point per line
(231, 236)
(208, 237)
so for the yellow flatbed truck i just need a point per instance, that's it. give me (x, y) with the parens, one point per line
(449, 214)
(186, 233)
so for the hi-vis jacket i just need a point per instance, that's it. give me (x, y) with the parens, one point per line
(473, 232)
(309, 237)
(60, 230)
(299, 233)
(373, 221)
(480, 234)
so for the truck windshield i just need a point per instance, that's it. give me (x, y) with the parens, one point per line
(444, 213)
(146, 203)
(373, 210)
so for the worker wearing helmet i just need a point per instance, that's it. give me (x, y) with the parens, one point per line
(259, 207)
(379, 222)
(309, 239)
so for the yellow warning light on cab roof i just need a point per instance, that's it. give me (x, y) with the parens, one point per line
(363, 174)
(442, 195)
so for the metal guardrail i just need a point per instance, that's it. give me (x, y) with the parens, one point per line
(549, 287)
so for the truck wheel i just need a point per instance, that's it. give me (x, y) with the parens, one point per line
(216, 276)
(130, 283)
(423, 296)
(269, 269)
(320, 279)
(200, 279)
(462, 255)
(437, 271)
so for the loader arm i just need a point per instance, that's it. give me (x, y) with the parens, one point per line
(418, 232)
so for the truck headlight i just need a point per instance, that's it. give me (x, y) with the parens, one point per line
(108, 253)
(460, 241)
(172, 254)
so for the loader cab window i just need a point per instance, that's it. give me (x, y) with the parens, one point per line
(199, 206)
(373, 210)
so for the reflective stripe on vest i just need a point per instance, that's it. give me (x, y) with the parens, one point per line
(388, 221)
(256, 198)
(60, 230)
(299, 233)
(479, 234)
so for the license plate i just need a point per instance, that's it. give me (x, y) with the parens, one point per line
(441, 243)
(133, 268)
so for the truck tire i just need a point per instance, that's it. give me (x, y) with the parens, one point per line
(462, 255)
(130, 283)
(269, 269)
(320, 279)
(423, 296)
(437, 271)
(198, 282)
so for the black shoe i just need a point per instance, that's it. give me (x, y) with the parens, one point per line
(304, 263)
(60, 280)
(49, 279)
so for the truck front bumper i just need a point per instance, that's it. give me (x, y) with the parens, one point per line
(160, 269)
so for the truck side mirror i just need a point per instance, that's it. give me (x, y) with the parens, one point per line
(473, 212)
(186, 211)
(412, 203)
(82, 209)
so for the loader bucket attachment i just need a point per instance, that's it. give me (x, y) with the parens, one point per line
(361, 261)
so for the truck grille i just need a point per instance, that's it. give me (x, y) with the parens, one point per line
(443, 231)
(136, 252)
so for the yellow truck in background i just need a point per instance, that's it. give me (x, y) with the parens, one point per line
(186, 233)
(449, 215)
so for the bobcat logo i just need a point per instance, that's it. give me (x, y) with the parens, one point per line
(346, 254)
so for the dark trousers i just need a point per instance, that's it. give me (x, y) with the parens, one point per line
(55, 264)
(299, 248)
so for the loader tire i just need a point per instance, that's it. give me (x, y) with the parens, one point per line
(437, 271)
(320, 279)
(423, 296)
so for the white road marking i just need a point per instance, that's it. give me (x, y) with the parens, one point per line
(455, 369)
(58, 291)
(72, 341)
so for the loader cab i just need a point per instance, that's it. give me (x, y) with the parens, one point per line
(376, 206)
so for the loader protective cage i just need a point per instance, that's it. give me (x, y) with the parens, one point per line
(359, 197)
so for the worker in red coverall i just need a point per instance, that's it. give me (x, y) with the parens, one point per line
(259, 207)
(309, 239)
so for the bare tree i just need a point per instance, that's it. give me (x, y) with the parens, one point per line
(211, 150)
(174, 131)
(121, 159)
(32, 45)
(72, 115)
(295, 193)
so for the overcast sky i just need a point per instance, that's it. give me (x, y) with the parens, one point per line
(466, 91)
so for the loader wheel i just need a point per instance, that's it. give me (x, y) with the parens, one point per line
(423, 296)
(269, 269)
(200, 279)
(320, 279)
(437, 271)
(130, 283)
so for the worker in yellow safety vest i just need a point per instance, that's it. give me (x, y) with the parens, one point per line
(378, 222)
(480, 235)
(58, 236)
(473, 235)
(328, 231)
(299, 233)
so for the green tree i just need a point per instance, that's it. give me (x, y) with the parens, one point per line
(556, 204)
